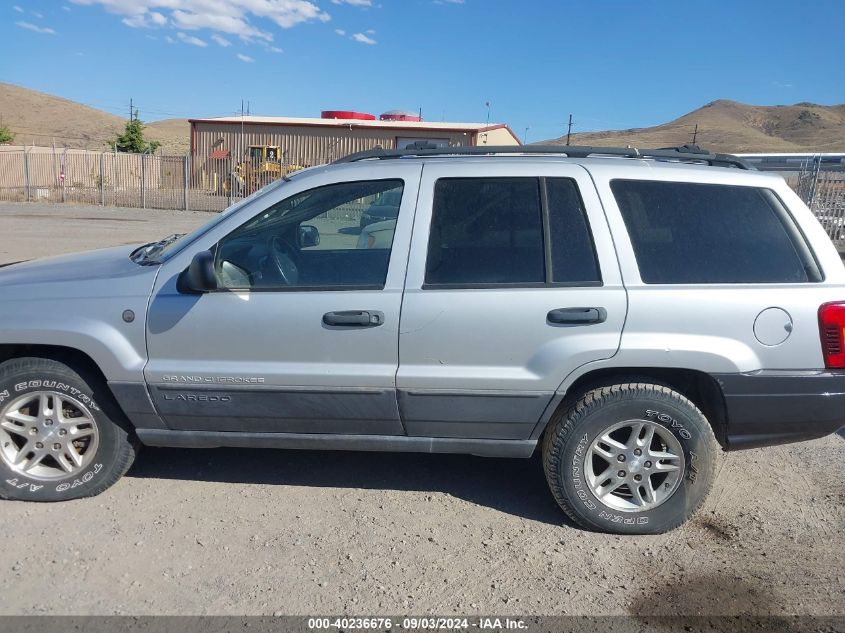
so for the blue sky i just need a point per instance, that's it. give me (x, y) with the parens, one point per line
(611, 63)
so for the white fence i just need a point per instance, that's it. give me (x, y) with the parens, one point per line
(45, 174)
(113, 179)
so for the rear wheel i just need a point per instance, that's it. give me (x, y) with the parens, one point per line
(630, 459)
(61, 435)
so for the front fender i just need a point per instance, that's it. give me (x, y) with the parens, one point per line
(94, 326)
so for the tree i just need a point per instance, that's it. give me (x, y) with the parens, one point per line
(6, 135)
(132, 139)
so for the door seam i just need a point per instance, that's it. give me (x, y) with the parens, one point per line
(402, 302)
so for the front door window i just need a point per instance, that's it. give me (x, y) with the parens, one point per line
(334, 237)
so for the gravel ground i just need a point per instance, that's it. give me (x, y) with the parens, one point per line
(35, 230)
(262, 532)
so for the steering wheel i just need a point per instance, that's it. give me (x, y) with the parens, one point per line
(283, 258)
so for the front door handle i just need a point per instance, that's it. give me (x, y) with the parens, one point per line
(577, 316)
(354, 318)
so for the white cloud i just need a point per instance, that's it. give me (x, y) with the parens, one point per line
(17, 8)
(37, 14)
(135, 21)
(218, 22)
(245, 58)
(169, 39)
(340, 32)
(449, 1)
(370, 31)
(275, 49)
(65, 7)
(360, 37)
(233, 17)
(35, 28)
(145, 20)
(190, 39)
(222, 41)
(355, 3)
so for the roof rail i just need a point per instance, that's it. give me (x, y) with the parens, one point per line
(686, 153)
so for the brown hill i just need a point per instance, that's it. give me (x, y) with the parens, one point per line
(37, 118)
(174, 135)
(728, 126)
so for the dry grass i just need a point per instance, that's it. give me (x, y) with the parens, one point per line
(728, 126)
(37, 118)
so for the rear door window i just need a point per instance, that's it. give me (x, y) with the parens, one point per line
(693, 233)
(486, 231)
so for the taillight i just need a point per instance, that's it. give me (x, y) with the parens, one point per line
(832, 333)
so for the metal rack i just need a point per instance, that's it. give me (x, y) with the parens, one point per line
(685, 154)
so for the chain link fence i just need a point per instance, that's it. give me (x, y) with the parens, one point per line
(823, 190)
(44, 174)
(151, 181)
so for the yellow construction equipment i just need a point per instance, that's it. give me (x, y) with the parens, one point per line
(261, 165)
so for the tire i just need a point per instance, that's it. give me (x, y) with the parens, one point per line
(672, 485)
(90, 435)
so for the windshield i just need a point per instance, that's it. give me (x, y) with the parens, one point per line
(157, 252)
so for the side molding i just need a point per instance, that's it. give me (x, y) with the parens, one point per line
(134, 399)
(316, 441)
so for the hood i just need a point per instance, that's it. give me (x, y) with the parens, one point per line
(105, 272)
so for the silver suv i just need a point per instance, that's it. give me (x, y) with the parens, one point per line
(623, 313)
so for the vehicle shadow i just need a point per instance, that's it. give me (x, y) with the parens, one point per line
(514, 486)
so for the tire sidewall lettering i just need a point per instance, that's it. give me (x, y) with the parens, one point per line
(577, 466)
(586, 497)
(79, 481)
(676, 427)
(671, 423)
(54, 385)
(28, 484)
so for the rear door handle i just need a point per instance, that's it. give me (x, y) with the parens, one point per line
(577, 316)
(354, 318)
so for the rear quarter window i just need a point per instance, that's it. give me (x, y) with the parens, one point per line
(689, 233)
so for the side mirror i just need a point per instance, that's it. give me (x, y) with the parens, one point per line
(199, 276)
(308, 236)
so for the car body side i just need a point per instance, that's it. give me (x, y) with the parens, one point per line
(772, 393)
(698, 338)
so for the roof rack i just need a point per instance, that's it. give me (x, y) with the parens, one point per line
(685, 153)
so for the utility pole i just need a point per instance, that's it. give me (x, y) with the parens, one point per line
(695, 134)
(525, 136)
(131, 110)
(487, 103)
(569, 130)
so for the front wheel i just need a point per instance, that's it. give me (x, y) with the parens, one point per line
(630, 459)
(61, 435)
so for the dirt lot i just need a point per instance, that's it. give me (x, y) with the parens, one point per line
(263, 532)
